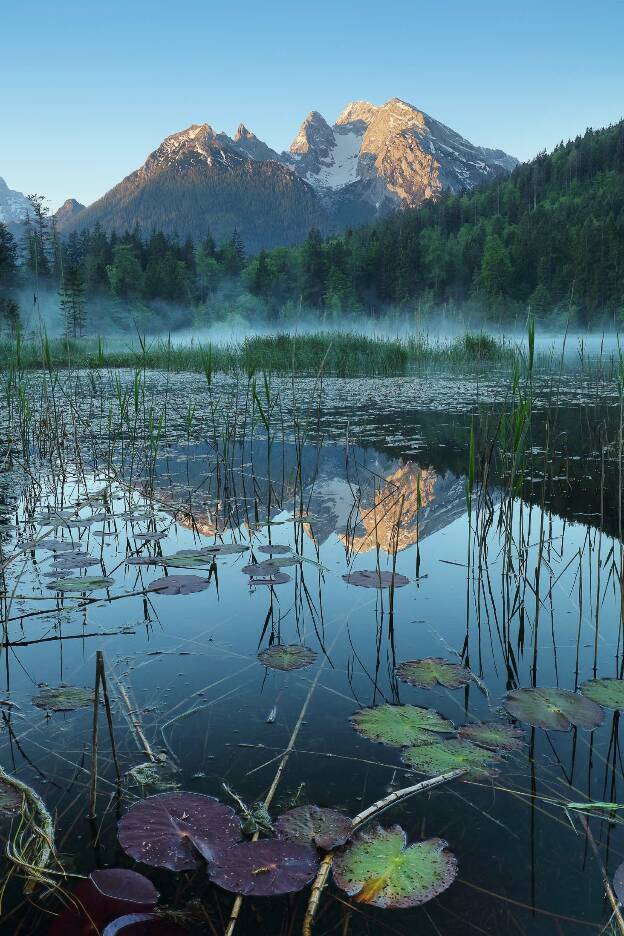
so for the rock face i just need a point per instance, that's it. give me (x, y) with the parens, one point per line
(14, 206)
(373, 160)
(69, 209)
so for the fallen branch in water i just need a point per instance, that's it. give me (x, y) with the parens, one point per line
(365, 816)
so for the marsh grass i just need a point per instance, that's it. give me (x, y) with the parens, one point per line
(333, 353)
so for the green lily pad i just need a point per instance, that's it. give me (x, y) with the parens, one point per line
(431, 671)
(64, 698)
(82, 584)
(439, 757)
(553, 708)
(185, 562)
(400, 725)
(495, 736)
(606, 692)
(287, 656)
(378, 867)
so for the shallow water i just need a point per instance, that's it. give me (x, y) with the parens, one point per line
(379, 454)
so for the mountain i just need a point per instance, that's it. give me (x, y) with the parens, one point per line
(68, 210)
(373, 160)
(14, 206)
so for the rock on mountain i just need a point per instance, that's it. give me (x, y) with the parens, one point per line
(390, 155)
(68, 210)
(373, 160)
(14, 206)
(199, 181)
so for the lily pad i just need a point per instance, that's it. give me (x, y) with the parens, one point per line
(277, 578)
(618, 882)
(607, 692)
(400, 725)
(553, 708)
(103, 897)
(225, 549)
(376, 579)
(151, 537)
(178, 585)
(84, 583)
(63, 564)
(431, 671)
(171, 830)
(264, 868)
(313, 825)
(143, 560)
(495, 736)
(378, 867)
(64, 699)
(287, 656)
(143, 924)
(440, 756)
(186, 562)
(274, 549)
(260, 568)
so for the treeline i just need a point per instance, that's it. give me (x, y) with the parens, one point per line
(549, 239)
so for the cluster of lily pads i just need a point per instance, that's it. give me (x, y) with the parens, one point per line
(193, 832)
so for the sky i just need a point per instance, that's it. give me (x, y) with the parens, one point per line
(88, 90)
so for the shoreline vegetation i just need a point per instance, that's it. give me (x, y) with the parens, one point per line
(336, 354)
(333, 354)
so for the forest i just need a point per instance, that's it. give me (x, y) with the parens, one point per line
(548, 240)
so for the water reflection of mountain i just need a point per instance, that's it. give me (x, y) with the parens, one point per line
(367, 499)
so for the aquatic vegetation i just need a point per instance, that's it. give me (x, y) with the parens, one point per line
(178, 585)
(172, 830)
(432, 671)
(287, 657)
(85, 583)
(264, 868)
(495, 736)
(400, 725)
(313, 825)
(609, 693)
(436, 757)
(63, 698)
(376, 579)
(555, 709)
(381, 869)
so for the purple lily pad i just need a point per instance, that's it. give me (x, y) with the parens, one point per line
(170, 829)
(264, 868)
(375, 579)
(553, 708)
(143, 924)
(178, 584)
(618, 882)
(274, 549)
(313, 825)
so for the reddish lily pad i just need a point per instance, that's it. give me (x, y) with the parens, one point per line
(495, 736)
(287, 656)
(375, 579)
(553, 708)
(431, 671)
(400, 725)
(170, 829)
(178, 585)
(313, 825)
(103, 897)
(379, 868)
(264, 868)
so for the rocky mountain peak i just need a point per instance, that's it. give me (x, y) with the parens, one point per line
(357, 111)
(68, 209)
(314, 134)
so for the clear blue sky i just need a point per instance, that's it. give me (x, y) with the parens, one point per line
(88, 89)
